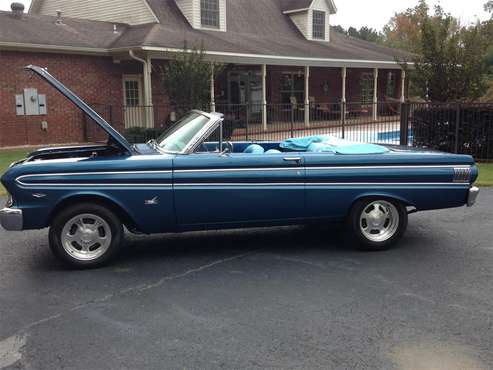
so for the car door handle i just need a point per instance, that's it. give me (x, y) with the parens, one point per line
(293, 159)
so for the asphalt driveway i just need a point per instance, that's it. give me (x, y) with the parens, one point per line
(285, 298)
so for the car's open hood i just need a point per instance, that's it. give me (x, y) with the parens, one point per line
(114, 134)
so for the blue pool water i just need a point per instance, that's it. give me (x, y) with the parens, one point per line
(392, 136)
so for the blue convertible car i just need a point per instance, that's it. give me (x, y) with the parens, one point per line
(192, 179)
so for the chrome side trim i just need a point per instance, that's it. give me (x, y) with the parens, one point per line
(11, 219)
(319, 168)
(20, 178)
(392, 167)
(449, 184)
(473, 196)
(111, 185)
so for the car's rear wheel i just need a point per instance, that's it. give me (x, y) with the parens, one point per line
(86, 235)
(378, 223)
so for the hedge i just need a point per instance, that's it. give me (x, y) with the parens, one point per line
(436, 127)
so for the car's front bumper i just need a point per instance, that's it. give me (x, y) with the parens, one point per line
(473, 195)
(11, 219)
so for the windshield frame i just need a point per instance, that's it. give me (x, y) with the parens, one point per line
(214, 120)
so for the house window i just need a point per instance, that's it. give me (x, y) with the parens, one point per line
(292, 88)
(367, 81)
(132, 93)
(209, 13)
(318, 25)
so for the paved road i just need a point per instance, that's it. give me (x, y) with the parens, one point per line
(279, 298)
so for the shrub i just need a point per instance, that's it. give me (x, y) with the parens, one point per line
(137, 135)
(436, 127)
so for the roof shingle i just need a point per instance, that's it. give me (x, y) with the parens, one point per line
(260, 29)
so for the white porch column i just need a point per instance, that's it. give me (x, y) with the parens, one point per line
(375, 94)
(148, 92)
(147, 112)
(403, 86)
(213, 93)
(307, 96)
(344, 78)
(264, 96)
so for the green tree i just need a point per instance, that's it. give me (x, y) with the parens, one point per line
(404, 29)
(488, 35)
(186, 79)
(451, 64)
(364, 33)
(489, 7)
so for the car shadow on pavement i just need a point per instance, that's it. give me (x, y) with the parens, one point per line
(329, 240)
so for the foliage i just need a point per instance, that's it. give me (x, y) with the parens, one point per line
(136, 135)
(436, 127)
(451, 65)
(488, 7)
(364, 33)
(404, 29)
(186, 79)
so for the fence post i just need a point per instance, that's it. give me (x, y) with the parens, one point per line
(457, 124)
(404, 127)
(343, 118)
(292, 119)
(247, 120)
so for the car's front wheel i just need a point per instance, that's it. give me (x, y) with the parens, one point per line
(378, 223)
(86, 235)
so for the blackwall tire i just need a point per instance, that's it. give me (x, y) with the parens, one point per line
(377, 224)
(86, 235)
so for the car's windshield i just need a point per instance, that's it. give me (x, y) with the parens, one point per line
(179, 136)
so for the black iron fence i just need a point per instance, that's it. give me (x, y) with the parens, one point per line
(451, 127)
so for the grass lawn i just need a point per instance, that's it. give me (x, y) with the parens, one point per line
(9, 156)
(485, 174)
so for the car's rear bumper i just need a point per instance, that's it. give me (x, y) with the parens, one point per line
(473, 195)
(11, 219)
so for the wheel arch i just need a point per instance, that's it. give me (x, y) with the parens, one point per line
(382, 195)
(103, 200)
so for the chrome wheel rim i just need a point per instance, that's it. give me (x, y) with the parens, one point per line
(379, 221)
(86, 237)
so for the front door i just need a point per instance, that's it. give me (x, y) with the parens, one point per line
(238, 189)
(133, 101)
(245, 88)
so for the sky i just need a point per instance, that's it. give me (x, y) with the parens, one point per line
(376, 13)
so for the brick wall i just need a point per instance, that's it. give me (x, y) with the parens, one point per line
(95, 79)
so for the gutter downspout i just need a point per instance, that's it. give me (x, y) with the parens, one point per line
(147, 70)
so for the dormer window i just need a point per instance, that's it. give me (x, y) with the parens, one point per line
(318, 32)
(209, 13)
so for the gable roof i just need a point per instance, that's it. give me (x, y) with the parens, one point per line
(256, 34)
(42, 30)
(293, 6)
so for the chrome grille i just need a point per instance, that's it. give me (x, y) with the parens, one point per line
(462, 174)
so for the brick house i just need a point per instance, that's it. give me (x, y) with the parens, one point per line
(279, 54)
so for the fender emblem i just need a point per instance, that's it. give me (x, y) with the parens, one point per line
(152, 202)
(39, 195)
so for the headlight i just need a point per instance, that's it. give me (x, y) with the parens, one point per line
(10, 201)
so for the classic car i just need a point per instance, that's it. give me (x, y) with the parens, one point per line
(192, 179)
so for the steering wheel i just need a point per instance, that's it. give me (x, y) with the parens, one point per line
(229, 147)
